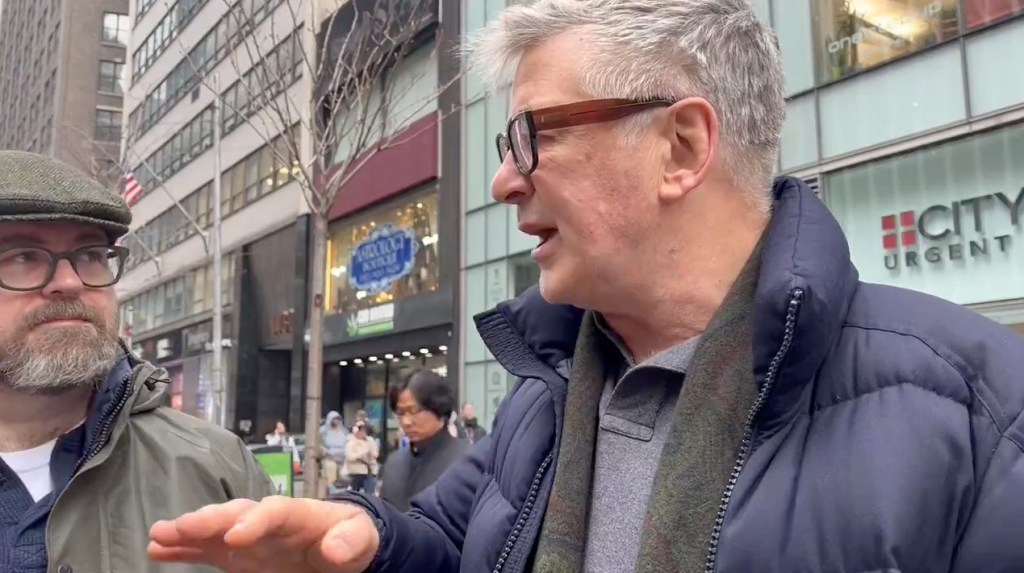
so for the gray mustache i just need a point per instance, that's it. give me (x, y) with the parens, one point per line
(63, 310)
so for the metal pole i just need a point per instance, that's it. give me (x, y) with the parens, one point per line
(127, 331)
(218, 287)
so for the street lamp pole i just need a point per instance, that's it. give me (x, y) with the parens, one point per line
(218, 285)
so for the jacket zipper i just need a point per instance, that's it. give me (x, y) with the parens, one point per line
(748, 430)
(109, 417)
(517, 529)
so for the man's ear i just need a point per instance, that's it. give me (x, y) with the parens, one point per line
(692, 132)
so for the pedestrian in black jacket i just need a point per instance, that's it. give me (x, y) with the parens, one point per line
(422, 403)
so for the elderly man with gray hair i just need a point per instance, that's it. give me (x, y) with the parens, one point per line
(732, 398)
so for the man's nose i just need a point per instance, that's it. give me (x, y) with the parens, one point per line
(65, 281)
(509, 186)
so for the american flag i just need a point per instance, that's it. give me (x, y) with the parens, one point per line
(132, 190)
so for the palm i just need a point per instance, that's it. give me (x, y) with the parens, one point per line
(277, 534)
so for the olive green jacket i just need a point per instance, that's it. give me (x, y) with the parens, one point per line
(157, 464)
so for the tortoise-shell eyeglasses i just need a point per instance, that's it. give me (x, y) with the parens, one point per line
(520, 135)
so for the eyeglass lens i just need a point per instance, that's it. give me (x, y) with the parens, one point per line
(29, 268)
(521, 143)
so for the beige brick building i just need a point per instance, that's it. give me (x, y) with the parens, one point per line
(61, 64)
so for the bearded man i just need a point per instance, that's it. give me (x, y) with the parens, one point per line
(88, 457)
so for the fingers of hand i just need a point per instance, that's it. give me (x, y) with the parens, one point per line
(284, 519)
(347, 547)
(159, 552)
(210, 522)
(329, 537)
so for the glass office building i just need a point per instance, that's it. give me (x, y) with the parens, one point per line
(907, 115)
(496, 262)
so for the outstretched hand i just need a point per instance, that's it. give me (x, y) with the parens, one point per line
(276, 534)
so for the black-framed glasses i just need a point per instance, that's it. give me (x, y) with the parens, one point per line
(520, 135)
(32, 268)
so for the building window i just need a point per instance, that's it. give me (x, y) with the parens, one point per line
(108, 125)
(384, 254)
(980, 13)
(178, 298)
(525, 274)
(141, 7)
(261, 172)
(201, 59)
(110, 77)
(116, 28)
(856, 35)
(174, 21)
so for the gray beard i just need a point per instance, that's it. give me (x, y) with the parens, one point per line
(59, 360)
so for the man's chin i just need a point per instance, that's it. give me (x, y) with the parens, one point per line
(58, 362)
(555, 289)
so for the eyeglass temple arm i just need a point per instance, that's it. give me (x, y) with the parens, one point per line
(562, 119)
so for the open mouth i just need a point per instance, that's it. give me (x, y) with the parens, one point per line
(545, 236)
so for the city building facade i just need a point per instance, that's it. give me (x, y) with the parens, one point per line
(184, 53)
(904, 115)
(496, 263)
(61, 81)
(907, 118)
(391, 293)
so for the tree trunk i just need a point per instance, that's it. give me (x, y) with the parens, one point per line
(314, 488)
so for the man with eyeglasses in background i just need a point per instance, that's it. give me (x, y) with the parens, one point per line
(88, 457)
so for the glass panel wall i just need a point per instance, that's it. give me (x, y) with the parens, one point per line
(871, 72)
(945, 220)
(979, 13)
(857, 35)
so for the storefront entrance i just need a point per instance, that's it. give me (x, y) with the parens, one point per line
(363, 382)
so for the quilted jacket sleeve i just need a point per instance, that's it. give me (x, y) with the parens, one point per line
(994, 539)
(429, 538)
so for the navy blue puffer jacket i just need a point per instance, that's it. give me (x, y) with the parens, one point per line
(889, 437)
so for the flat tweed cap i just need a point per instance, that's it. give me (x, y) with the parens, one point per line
(35, 187)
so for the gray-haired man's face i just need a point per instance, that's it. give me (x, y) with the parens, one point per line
(61, 336)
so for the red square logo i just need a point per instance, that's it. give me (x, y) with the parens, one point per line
(889, 241)
(907, 219)
(908, 238)
(889, 223)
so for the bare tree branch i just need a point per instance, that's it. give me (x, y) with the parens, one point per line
(102, 148)
(363, 89)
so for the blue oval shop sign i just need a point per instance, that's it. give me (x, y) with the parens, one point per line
(387, 255)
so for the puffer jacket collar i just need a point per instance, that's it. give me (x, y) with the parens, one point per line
(806, 279)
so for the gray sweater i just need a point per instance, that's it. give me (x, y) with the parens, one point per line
(636, 413)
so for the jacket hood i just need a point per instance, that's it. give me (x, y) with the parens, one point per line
(331, 416)
(148, 385)
(151, 389)
(803, 249)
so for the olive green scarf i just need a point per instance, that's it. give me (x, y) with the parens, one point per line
(698, 457)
